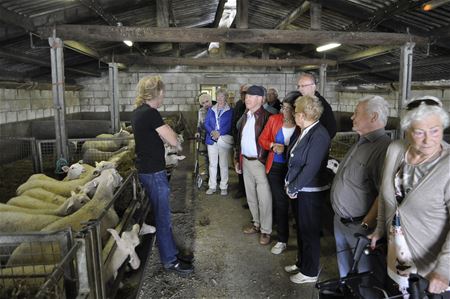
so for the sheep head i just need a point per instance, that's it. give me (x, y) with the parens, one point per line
(75, 202)
(103, 165)
(147, 229)
(74, 171)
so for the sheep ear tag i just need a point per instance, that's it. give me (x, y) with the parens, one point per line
(65, 168)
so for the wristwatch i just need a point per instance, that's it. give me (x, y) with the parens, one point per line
(364, 226)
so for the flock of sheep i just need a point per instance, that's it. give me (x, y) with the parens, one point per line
(46, 204)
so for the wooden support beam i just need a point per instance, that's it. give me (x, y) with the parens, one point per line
(13, 18)
(38, 61)
(202, 35)
(219, 13)
(162, 13)
(294, 15)
(367, 53)
(316, 15)
(242, 14)
(149, 60)
(12, 84)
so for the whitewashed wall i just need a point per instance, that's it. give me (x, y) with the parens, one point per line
(24, 104)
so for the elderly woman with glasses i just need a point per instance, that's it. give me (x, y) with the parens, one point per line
(278, 133)
(306, 183)
(414, 200)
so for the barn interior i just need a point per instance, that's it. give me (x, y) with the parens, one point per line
(68, 73)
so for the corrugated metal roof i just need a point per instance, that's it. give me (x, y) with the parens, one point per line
(343, 15)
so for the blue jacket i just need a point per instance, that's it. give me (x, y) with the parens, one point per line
(225, 122)
(307, 165)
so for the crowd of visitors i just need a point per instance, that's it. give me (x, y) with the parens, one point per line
(395, 190)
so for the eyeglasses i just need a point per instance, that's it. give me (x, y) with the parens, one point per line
(417, 103)
(304, 85)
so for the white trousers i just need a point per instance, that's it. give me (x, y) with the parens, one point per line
(219, 155)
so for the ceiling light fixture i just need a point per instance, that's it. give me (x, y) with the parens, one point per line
(128, 43)
(433, 4)
(327, 47)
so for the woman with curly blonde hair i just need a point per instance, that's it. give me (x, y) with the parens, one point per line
(150, 133)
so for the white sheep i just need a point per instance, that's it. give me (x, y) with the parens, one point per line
(26, 201)
(62, 188)
(126, 245)
(93, 155)
(117, 140)
(71, 204)
(91, 210)
(171, 152)
(23, 222)
(90, 187)
(45, 195)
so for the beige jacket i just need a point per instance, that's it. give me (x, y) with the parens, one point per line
(425, 211)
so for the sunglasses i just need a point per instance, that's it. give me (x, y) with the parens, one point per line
(417, 103)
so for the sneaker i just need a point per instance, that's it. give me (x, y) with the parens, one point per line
(264, 239)
(223, 192)
(251, 230)
(278, 248)
(181, 268)
(301, 278)
(291, 268)
(210, 191)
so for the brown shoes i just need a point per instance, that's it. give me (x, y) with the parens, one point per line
(264, 239)
(251, 230)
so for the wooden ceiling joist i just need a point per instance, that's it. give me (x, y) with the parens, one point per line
(227, 35)
(303, 7)
(151, 60)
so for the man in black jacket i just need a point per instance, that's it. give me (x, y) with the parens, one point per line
(239, 109)
(306, 84)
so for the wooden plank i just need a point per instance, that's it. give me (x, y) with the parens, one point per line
(162, 13)
(149, 60)
(81, 48)
(228, 35)
(293, 15)
(315, 15)
(242, 14)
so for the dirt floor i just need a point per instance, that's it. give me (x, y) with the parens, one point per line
(228, 264)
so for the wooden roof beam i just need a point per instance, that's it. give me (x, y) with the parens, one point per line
(303, 6)
(152, 60)
(228, 35)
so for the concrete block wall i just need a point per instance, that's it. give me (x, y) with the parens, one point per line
(18, 105)
(182, 87)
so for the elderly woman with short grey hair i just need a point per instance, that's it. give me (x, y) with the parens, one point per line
(414, 201)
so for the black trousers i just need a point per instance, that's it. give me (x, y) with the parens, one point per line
(280, 200)
(307, 209)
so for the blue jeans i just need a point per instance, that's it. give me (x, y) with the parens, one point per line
(158, 191)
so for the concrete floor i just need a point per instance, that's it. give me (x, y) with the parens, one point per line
(228, 264)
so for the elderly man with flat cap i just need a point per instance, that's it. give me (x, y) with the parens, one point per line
(249, 160)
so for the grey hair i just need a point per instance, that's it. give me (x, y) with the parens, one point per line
(222, 91)
(308, 75)
(421, 112)
(379, 105)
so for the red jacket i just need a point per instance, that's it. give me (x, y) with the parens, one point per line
(267, 136)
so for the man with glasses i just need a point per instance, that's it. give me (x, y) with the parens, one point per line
(306, 85)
